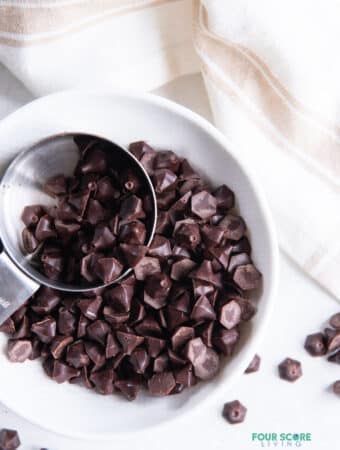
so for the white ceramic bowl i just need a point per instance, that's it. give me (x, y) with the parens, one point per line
(124, 118)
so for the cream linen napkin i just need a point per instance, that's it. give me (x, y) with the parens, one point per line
(271, 70)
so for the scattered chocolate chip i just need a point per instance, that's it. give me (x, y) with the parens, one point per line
(9, 439)
(45, 329)
(254, 365)
(315, 344)
(290, 369)
(234, 412)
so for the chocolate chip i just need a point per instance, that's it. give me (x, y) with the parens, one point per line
(181, 336)
(98, 331)
(290, 369)
(247, 277)
(129, 341)
(9, 439)
(19, 350)
(94, 161)
(187, 235)
(180, 269)
(94, 352)
(31, 215)
(230, 314)
(225, 198)
(160, 247)
(59, 371)
(147, 266)
(133, 254)
(163, 222)
(206, 273)
(109, 269)
(90, 307)
(112, 347)
(335, 357)
(45, 228)
(234, 227)
(120, 297)
(45, 329)
(161, 363)
(164, 180)
(29, 241)
(131, 209)
(133, 233)
(239, 259)
(139, 360)
(103, 238)
(234, 412)
(175, 317)
(315, 344)
(128, 388)
(226, 340)
(161, 384)
(76, 355)
(203, 310)
(204, 360)
(167, 159)
(336, 387)
(103, 381)
(8, 326)
(66, 322)
(154, 345)
(82, 326)
(23, 330)
(254, 365)
(335, 321)
(185, 376)
(203, 204)
(333, 342)
(46, 300)
(59, 344)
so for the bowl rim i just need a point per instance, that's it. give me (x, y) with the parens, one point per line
(262, 205)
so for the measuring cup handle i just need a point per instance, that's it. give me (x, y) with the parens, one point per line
(15, 287)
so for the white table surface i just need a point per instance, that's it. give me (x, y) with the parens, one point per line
(274, 405)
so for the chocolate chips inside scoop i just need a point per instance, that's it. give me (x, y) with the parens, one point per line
(78, 241)
(171, 322)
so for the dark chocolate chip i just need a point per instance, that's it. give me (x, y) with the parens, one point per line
(95, 353)
(131, 209)
(59, 344)
(31, 215)
(103, 381)
(203, 310)
(19, 350)
(66, 322)
(45, 228)
(162, 384)
(90, 307)
(147, 266)
(160, 247)
(154, 345)
(181, 336)
(203, 204)
(98, 331)
(226, 340)
(45, 329)
(225, 198)
(335, 357)
(139, 360)
(133, 233)
(247, 277)
(315, 344)
(336, 387)
(234, 412)
(230, 314)
(129, 341)
(204, 360)
(180, 269)
(254, 365)
(9, 439)
(108, 269)
(76, 355)
(133, 254)
(30, 242)
(290, 369)
(128, 388)
(161, 363)
(112, 347)
(234, 227)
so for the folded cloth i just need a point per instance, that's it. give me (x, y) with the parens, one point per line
(270, 71)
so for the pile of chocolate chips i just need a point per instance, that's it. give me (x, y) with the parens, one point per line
(99, 222)
(166, 326)
(327, 343)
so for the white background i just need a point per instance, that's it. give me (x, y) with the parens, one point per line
(274, 405)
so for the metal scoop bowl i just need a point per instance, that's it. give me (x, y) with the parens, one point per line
(22, 185)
